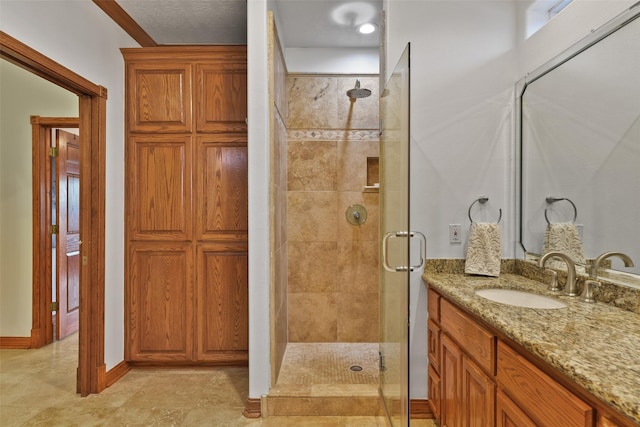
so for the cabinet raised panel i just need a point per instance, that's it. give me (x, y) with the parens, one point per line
(222, 302)
(160, 97)
(159, 182)
(160, 303)
(221, 98)
(222, 194)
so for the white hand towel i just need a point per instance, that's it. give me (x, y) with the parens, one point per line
(564, 237)
(484, 249)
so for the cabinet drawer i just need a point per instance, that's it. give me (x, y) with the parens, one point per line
(477, 342)
(544, 400)
(433, 342)
(433, 305)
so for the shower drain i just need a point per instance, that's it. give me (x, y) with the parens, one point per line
(355, 368)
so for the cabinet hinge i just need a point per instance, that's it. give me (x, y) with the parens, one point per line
(54, 306)
(53, 229)
(53, 151)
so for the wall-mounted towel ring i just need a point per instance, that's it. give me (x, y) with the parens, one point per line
(482, 200)
(552, 200)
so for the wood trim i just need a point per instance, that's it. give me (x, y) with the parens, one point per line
(23, 56)
(419, 409)
(126, 22)
(222, 53)
(92, 122)
(252, 408)
(116, 373)
(15, 342)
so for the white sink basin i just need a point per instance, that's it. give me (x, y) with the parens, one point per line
(520, 298)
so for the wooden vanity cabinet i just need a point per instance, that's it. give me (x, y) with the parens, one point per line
(467, 359)
(477, 379)
(433, 352)
(186, 197)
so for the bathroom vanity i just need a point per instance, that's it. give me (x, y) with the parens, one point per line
(493, 364)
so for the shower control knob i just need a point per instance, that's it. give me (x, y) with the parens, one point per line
(356, 214)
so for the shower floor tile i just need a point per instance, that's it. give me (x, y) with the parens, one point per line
(313, 364)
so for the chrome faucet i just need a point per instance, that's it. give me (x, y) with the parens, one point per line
(571, 287)
(593, 271)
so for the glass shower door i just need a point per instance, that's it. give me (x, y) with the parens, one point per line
(394, 226)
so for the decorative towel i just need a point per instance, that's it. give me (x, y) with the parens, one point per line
(563, 237)
(484, 249)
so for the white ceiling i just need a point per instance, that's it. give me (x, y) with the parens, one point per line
(302, 23)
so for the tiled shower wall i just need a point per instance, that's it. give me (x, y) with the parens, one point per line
(279, 235)
(332, 289)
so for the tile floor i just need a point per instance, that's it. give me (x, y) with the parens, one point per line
(37, 388)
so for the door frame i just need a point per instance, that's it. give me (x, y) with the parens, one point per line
(41, 175)
(91, 374)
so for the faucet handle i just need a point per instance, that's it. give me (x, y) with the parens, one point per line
(587, 292)
(553, 284)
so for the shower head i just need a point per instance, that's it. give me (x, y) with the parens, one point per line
(356, 92)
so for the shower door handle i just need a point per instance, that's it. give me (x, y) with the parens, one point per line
(399, 234)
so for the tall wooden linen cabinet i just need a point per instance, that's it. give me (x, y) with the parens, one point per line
(186, 205)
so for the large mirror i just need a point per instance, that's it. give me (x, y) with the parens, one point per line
(579, 132)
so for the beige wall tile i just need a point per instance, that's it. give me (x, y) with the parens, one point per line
(364, 232)
(311, 216)
(312, 266)
(312, 102)
(357, 267)
(357, 317)
(312, 165)
(352, 163)
(312, 317)
(361, 113)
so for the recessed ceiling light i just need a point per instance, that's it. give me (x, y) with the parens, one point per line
(367, 28)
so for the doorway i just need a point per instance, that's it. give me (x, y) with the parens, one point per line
(58, 140)
(92, 127)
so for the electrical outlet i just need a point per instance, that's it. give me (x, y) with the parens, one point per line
(580, 228)
(454, 233)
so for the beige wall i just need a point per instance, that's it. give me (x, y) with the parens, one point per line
(22, 95)
(332, 265)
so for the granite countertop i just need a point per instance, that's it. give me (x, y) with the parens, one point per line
(595, 345)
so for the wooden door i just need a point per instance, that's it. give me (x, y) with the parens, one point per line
(68, 239)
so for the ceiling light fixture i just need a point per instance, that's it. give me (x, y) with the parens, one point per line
(367, 28)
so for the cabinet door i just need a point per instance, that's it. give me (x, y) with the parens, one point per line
(222, 303)
(451, 377)
(434, 392)
(160, 302)
(159, 188)
(478, 396)
(221, 191)
(221, 97)
(508, 414)
(433, 343)
(159, 97)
